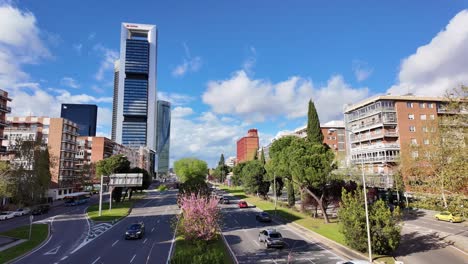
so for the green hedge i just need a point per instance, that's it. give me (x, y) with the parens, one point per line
(213, 252)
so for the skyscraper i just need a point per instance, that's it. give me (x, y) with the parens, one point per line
(135, 114)
(84, 115)
(115, 101)
(163, 136)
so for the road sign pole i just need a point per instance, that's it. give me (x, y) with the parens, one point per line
(100, 197)
(31, 217)
(110, 198)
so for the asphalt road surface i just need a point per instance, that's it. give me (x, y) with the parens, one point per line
(241, 231)
(158, 212)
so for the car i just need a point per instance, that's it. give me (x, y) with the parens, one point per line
(225, 200)
(40, 209)
(22, 211)
(271, 238)
(243, 204)
(353, 261)
(263, 217)
(135, 230)
(7, 215)
(448, 216)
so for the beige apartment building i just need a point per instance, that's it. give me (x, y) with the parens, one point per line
(60, 136)
(382, 128)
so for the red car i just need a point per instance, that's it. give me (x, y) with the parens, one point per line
(243, 204)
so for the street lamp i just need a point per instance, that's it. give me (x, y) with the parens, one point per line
(365, 199)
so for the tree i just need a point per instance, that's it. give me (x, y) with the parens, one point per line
(254, 178)
(237, 174)
(314, 134)
(85, 174)
(6, 188)
(222, 170)
(385, 230)
(113, 164)
(262, 157)
(191, 169)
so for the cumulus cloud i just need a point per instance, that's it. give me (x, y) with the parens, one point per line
(189, 64)
(20, 44)
(179, 112)
(108, 59)
(361, 70)
(69, 82)
(256, 100)
(175, 99)
(439, 65)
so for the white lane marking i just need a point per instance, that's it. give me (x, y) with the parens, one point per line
(256, 243)
(133, 258)
(460, 250)
(145, 240)
(64, 258)
(152, 229)
(172, 243)
(96, 260)
(311, 261)
(115, 243)
(52, 251)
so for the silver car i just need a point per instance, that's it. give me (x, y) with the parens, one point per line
(271, 238)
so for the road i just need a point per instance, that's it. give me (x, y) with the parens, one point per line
(157, 211)
(420, 244)
(241, 231)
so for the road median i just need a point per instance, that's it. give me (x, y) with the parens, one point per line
(39, 234)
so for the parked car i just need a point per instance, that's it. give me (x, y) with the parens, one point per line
(7, 215)
(40, 209)
(243, 204)
(136, 230)
(450, 217)
(271, 238)
(263, 217)
(22, 211)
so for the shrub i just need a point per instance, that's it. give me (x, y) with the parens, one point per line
(200, 216)
(162, 188)
(199, 253)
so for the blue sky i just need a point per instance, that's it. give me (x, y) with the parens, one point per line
(228, 66)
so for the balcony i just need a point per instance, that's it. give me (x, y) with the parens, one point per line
(369, 113)
(377, 159)
(4, 108)
(64, 140)
(70, 132)
(4, 123)
(364, 137)
(375, 147)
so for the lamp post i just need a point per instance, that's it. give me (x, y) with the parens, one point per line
(365, 200)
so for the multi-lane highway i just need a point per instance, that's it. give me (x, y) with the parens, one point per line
(241, 231)
(68, 242)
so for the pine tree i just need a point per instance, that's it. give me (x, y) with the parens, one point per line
(314, 134)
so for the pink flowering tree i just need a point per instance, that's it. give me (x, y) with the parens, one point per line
(200, 216)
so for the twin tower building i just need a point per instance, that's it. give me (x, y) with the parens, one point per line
(138, 117)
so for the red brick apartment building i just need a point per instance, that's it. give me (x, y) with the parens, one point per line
(247, 146)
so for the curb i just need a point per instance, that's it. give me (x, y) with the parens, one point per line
(49, 235)
(233, 256)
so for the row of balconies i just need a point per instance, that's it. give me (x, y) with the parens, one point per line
(352, 117)
(5, 108)
(360, 160)
(373, 124)
(361, 137)
(375, 146)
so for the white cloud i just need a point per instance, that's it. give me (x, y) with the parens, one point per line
(69, 82)
(104, 117)
(438, 65)
(78, 47)
(179, 112)
(258, 100)
(361, 70)
(189, 64)
(175, 99)
(108, 59)
(20, 44)
(251, 60)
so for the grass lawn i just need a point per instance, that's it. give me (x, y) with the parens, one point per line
(119, 210)
(189, 250)
(316, 225)
(39, 234)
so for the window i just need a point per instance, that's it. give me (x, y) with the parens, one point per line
(432, 117)
(426, 141)
(411, 116)
(423, 117)
(414, 154)
(422, 105)
(412, 129)
(433, 129)
(424, 129)
(414, 141)
(409, 105)
(430, 105)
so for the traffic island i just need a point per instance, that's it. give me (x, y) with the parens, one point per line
(39, 233)
(214, 251)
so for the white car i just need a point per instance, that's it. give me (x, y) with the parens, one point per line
(22, 211)
(7, 215)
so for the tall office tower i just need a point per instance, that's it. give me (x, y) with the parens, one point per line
(115, 100)
(163, 136)
(136, 96)
(84, 115)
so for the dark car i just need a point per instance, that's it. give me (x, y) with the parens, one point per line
(136, 230)
(40, 209)
(271, 238)
(263, 217)
(224, 200)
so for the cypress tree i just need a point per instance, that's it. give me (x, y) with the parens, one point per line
(314, 134)
(256, 155)
(221, 160)
(262, 158)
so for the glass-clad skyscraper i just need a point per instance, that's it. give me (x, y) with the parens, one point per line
(134, 118)
(84, 115)
(163, 137)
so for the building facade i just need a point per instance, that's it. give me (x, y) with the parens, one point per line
(4, 110)
(84, 115)
(382, 128)
(135, 114)
(333, 135)
(163, 137)
(230, 162)
(60, 137)
(247, 146)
